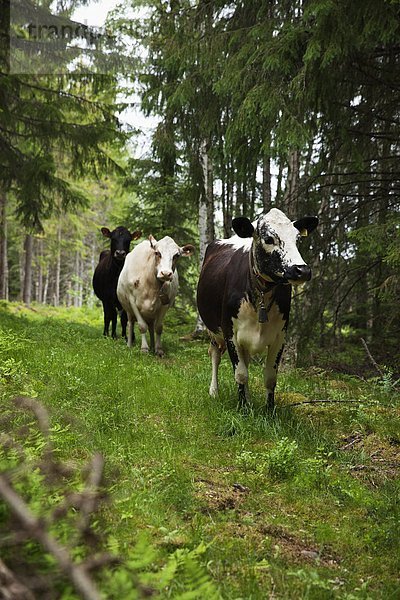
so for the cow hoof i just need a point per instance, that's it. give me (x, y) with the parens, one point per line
(160, 353)
(245, 409)
(269, 410)
(144, 350)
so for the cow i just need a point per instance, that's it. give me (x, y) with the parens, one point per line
(106, 275)
(148, 285)
(244, 294)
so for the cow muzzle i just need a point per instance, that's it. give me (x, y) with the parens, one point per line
(120, 254)
(298, 273)
(165, 275)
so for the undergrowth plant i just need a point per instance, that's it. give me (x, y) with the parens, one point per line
(198, 499)
(65, 546)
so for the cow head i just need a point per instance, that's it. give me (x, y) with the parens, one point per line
(120, 241)
(166, 254)
(274, 250)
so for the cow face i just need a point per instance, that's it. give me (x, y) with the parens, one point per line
(166, 254)
(120, 241)
(275, 254)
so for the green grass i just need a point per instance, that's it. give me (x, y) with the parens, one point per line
(302, 505)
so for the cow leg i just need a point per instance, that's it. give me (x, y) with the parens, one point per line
(124, 321)
(271, 370)
(107, 318)
(240, 362)
(141, 324)
(114, 319)
(151, 333)
(215, 355)
(159, 329)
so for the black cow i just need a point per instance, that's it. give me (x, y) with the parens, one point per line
(244, 294)
(106, 275)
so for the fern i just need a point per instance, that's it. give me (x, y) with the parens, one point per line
(186, 573)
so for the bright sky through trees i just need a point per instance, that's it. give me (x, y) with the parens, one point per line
(95, 14)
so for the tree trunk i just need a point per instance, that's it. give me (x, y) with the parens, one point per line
(78, 281)
(206, 205)
(3, 248)
(58, 268)
(279, 184)
(266, 184)
(27, 288)
(229, 202)
(206, 211)
(46, 286)
(292, 185)
(39, 282)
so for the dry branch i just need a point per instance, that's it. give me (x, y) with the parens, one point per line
(90, 495)
(37, 528)
(371, 358)
(76, 572)
(327, 401)
(38, 410)
(10, 587)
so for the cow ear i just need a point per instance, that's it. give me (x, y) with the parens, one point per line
(136, 235)
(242, 227)
(106, 232)
(152, 241)
(187, 250)
(306, 225)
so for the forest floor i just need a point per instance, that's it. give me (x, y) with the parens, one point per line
(301, 504)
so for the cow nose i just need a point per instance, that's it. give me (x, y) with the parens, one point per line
(166, 275)
(120, 254)
(298, 273)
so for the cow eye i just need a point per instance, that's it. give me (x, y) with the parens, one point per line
(269, 240)
(158, 254)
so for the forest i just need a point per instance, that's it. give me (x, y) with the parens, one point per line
(253, 104)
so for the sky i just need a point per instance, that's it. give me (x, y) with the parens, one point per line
(94, 15)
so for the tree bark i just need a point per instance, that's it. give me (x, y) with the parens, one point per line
(39, 282)
(46, 286)
(206, 211)
(3, 248)
(292, 185)
(266, 184)
(27, 289)
(206, 204)
(58, 268)
(78, 281)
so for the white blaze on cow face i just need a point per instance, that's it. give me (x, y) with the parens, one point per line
(275, 256)
(167, 253)
(278, 238)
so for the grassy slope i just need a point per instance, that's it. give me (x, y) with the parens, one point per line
(302, 505)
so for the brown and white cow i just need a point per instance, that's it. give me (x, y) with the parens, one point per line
(148, 285)
(244, 294)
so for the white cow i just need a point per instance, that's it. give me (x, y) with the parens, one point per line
(147, 287)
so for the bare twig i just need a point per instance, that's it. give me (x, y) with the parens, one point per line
(328, 401)
(76, 572)
(351, 443)
(38, 410)
(102, 560)
(371, 358)
(10, 587)
(90, 495)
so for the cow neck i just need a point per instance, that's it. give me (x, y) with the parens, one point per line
(261, 287)
(116, 265)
